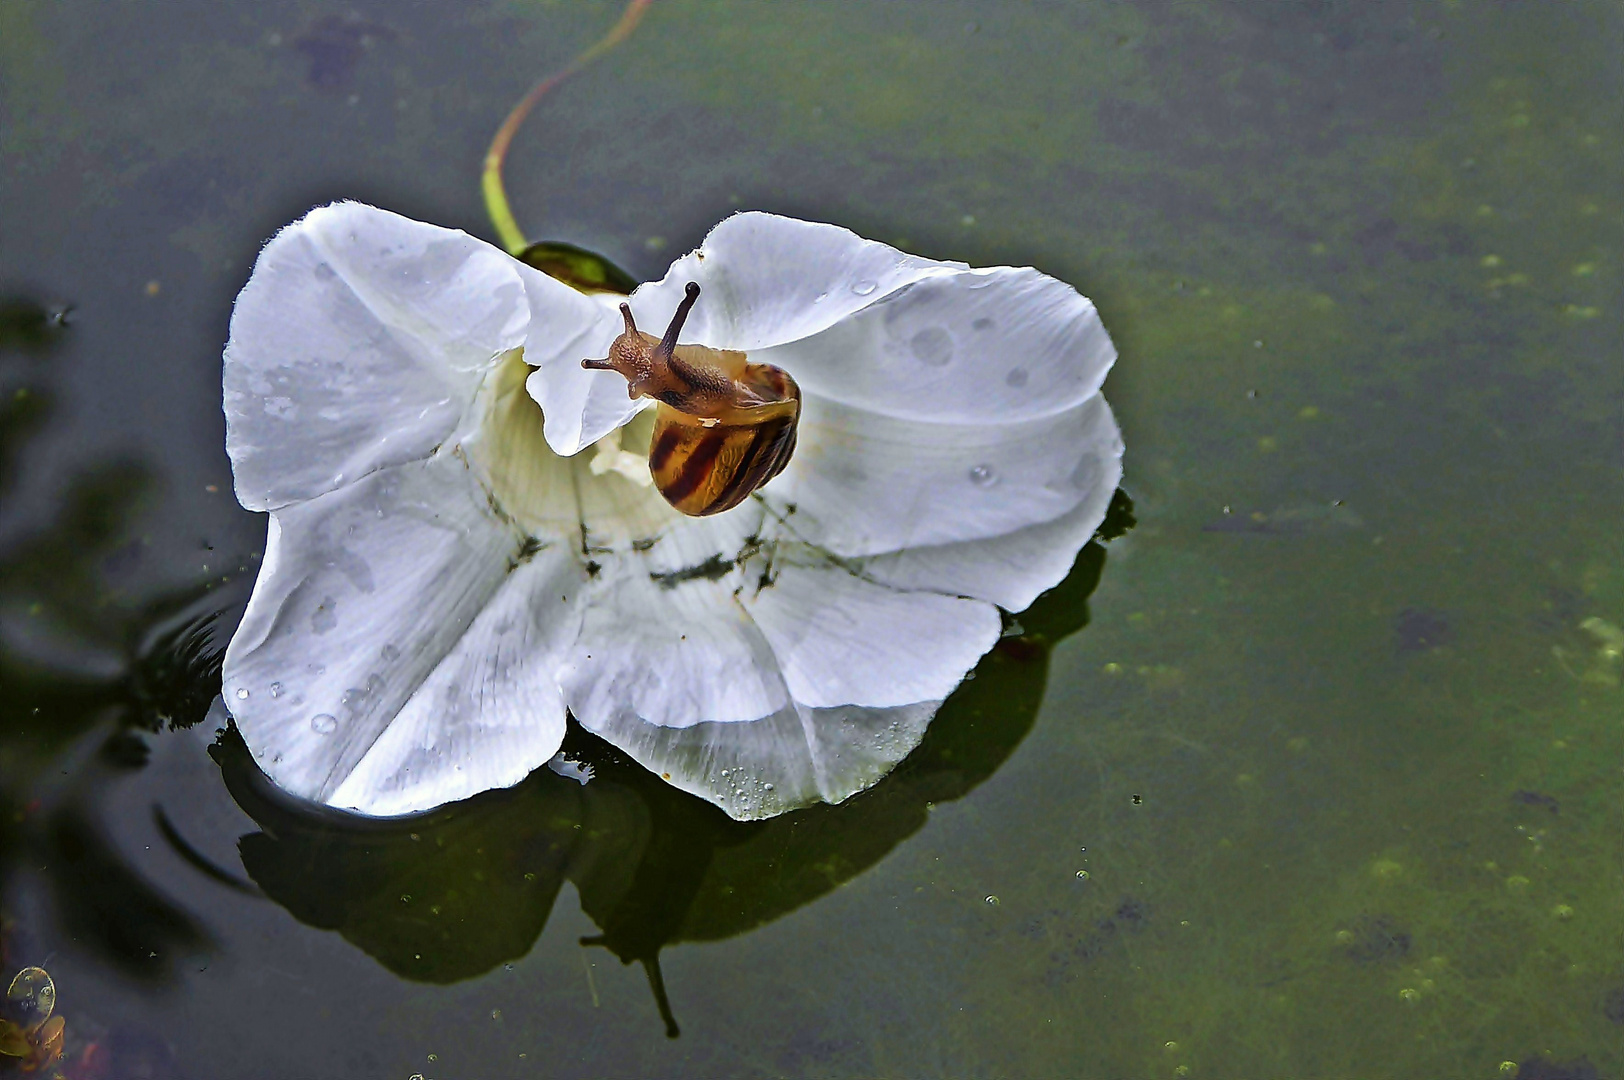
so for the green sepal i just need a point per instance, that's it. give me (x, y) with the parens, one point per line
(578, 268)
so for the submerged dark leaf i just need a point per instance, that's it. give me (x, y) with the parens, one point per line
(1418, 630)
(334, 46)
(1377, 939)
(28, 326)
(102, 903)
(1538, 1068)
(125, 749)
(1612, 1005)
(1297, 520)
(22, 413)
(1537, 799)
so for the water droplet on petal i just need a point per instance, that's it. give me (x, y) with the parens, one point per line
(324, 723)
(1016, 377)
(242, 694)
(864, 287)
(276, 689)
(820, 298)
(983, 476)
(767, 787)
(933, 346)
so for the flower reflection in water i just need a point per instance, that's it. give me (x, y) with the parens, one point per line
(452, 894)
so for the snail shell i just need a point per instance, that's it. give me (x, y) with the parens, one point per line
(724, 427)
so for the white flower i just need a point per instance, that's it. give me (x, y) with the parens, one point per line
(446, 573)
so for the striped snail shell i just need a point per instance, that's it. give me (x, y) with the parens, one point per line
(724, 426)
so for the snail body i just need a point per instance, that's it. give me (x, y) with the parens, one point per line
(724, 426)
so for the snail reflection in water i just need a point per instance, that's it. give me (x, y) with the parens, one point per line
(724, 427)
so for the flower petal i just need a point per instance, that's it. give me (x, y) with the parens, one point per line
(765, 697)
(795, 757)
(674, 652)
(357, 344)
(840, 640)
(505, 445)
(963, 347)
(767, 280)
(489, 712)
(365, 593)
(863, 484)
(580, 406)
(1013, 569)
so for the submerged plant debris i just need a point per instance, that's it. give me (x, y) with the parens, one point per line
(334, 46)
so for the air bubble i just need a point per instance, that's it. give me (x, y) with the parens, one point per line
(864, 287)
(983, 476)
(31, 999)
(324, 723)
(242, 694)
(993, 900)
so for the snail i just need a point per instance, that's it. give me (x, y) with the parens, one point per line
(724, 426)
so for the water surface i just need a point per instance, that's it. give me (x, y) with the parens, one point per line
(1314, 772)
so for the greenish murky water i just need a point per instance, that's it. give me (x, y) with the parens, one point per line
(1317, 771)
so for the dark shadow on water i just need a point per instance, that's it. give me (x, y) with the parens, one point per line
(451, 894)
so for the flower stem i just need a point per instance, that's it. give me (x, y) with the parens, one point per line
(496, 201)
